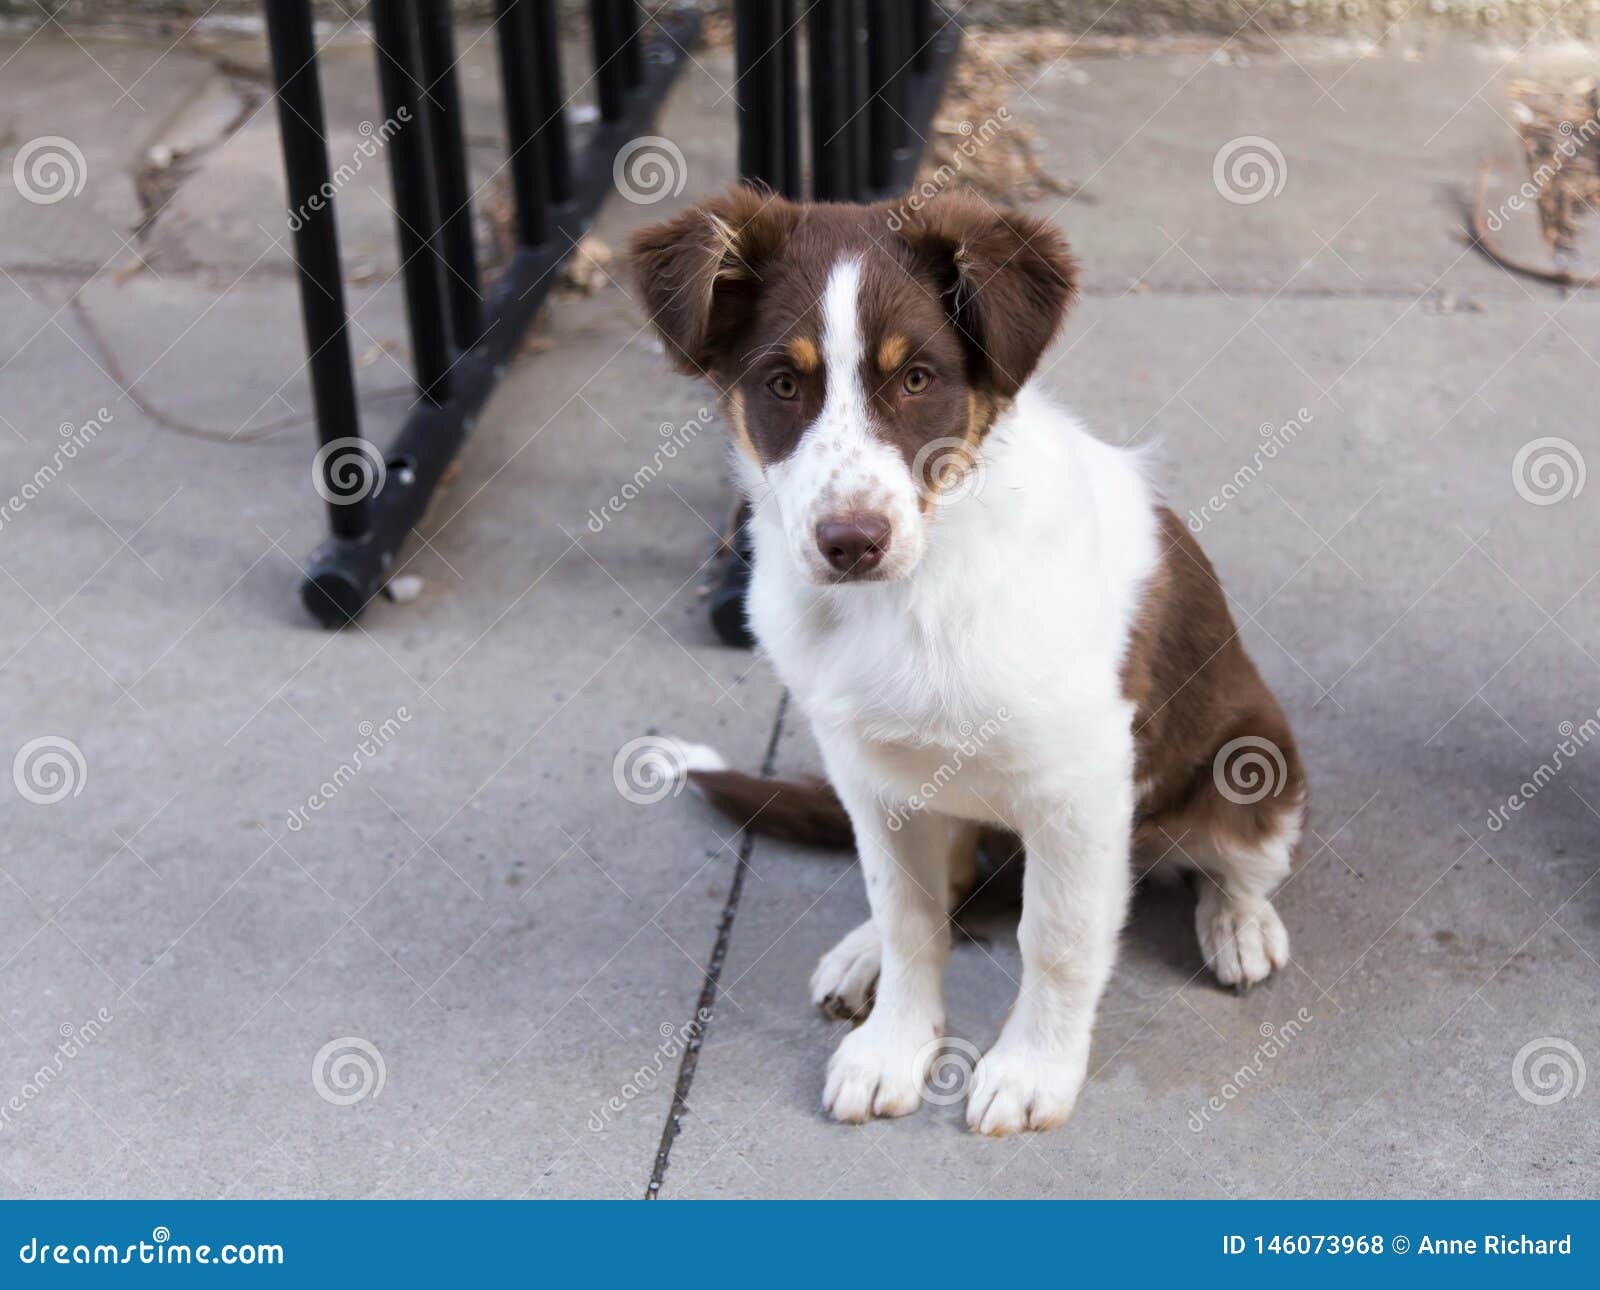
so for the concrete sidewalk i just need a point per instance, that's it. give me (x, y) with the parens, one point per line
(509, 954)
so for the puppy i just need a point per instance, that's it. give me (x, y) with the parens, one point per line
(988, 616)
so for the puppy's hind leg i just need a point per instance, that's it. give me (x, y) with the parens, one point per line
(1240, 854)
(1241, 936)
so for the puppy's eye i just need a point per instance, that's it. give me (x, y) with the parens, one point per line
(917, 380)
(784, 386)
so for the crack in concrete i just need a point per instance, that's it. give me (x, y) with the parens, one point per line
(705, 1006)
(156, 182)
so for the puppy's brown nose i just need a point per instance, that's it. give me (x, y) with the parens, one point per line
(853, 543)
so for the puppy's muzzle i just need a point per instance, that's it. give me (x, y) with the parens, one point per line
(854, 544)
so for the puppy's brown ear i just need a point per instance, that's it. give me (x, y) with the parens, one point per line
(1008, 280)
(700, 273)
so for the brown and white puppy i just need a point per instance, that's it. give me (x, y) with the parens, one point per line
(989, 617)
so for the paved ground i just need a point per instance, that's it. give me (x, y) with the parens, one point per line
(521, 947)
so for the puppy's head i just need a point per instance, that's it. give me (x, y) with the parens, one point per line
(862, 354)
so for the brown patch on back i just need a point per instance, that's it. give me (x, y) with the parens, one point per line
(1195, 690)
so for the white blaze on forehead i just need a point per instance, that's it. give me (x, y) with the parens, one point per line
(845, 407)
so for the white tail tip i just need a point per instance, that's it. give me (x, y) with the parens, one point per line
(693, 757)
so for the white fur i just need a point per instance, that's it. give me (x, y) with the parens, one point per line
(1008, 611)
(697, 756)
(682, 757)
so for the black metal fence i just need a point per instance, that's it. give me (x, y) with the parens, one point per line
(461, 339)
(875, 69)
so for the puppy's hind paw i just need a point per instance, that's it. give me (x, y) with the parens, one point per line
(1243, 942)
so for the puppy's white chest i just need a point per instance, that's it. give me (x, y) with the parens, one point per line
(903, 698)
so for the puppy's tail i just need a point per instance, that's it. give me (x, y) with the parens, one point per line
(797, 810)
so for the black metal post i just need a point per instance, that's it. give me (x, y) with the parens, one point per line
(394, 30)
(923, 18)
(552, 106)
(316, 248)
(789, 71)
(632, 55)
(761, 47)
(447, 138)
(610, 68)
(832, 59)
(518, 70)
(860, 144)
(886, 84)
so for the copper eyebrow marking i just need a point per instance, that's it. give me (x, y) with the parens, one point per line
(804, 354)
(893, 352)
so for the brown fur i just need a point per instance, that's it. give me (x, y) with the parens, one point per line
(797, 810)
(1195, 689)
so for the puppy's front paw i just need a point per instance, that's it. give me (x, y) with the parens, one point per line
(877, 1070)
(1018, 1087)
(843, 984)
(1242, 943)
